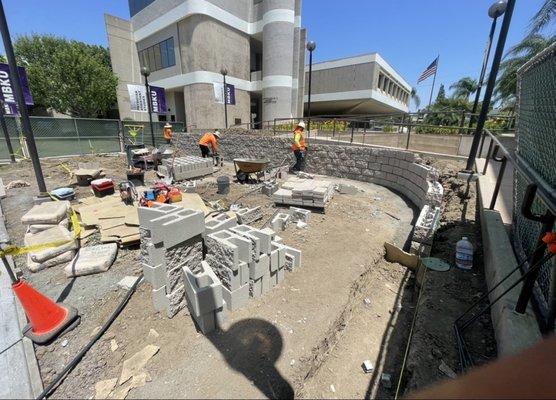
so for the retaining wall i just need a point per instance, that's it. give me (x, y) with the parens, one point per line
(400, 170)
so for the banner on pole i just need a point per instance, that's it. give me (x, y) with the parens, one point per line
(7, 93)
(138, 98)
(219, 93)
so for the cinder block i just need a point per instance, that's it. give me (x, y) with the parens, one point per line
(203, 290)
(170, 303)
(220, 223)
(243, 244)
(280, 251)
(259, 268)
(266, 285)
(236, 299)
(245, 231)
(344, 188)
(293, 257)
(177, 227)
(256, 288)
(299, 214)
(281, 220)
(246, 216)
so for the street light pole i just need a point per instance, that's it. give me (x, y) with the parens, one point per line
(490, 85)
(146, 72)
(5, 131)
(25, 121)
(311, 46)
(495, 11)
(224, 72)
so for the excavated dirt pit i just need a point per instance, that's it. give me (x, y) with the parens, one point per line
(308, 336)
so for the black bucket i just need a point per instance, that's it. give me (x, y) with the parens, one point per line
(223, 184)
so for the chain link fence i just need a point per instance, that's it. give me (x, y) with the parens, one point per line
(77, 136)
(536, 144)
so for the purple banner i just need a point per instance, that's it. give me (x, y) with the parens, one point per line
(7, 93)
(158, 100)
(230, 94)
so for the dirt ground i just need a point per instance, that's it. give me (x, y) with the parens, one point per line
(309, 336)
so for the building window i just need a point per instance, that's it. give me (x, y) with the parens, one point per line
(159, 56)
(380, 79)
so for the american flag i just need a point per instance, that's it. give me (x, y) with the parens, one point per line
(430, 71)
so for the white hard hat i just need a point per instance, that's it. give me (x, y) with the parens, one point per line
(301, 124)
(217, 134)
(167, 125)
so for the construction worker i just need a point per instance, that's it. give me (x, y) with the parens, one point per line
(209, 139)
(167, 132)
(298, 146)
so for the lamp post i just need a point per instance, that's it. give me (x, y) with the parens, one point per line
(224, 72)
(311, 46)
(490, 85)
(496, 10)
(25, 121)
(5, 131)
(146, 72)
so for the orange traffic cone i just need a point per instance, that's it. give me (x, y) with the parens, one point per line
(47, 319)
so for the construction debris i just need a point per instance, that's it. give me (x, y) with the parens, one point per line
(127, 282)
(17, 184)
(368, 366)
(344, 188)
(135, 365)
(87, 172)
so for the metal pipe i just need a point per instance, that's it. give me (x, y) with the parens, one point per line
(25, 121)
(408, 135)
(498, 183)
(310, 47)
(11, 274)
(489, 152)
(491, 83)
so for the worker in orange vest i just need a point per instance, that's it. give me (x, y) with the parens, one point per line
(209, 139)
(298, 146)
(167, 132)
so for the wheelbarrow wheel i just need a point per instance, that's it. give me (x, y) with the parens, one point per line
(242, 176)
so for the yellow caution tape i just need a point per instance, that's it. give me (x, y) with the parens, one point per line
(16, 250)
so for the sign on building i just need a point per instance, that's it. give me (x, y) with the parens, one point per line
(138, 99)
(219, 93)
(7, 93)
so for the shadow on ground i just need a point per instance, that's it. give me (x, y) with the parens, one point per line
(252, 346)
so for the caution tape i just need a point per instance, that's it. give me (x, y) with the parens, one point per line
(17, 250)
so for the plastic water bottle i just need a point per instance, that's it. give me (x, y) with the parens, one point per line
(464, 254)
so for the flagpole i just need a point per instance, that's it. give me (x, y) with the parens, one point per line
(434, 79)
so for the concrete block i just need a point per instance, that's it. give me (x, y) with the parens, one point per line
(280, 221)
(269, 188)
(259, 268)
(203, 290)
(92, 260)
(190, 187)
(220, 222)
(344, 188)
(176, 227)
(299, 214)
(426, 225)
(293, 257)
(171, 303)
(266, 285)
(256, 288)
(246, 216)
(280, 251)
(146, 214)
(245, 232)
(243, 244)
(236, 299)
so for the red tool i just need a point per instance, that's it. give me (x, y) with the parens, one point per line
(102, 187)
(550, 240)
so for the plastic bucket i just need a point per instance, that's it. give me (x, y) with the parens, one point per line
(223, 184)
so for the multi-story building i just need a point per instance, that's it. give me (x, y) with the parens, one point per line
(187, 43)
(364, 84)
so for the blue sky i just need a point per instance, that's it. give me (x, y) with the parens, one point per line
(407, 33)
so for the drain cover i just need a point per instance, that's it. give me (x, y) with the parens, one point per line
(435, 264)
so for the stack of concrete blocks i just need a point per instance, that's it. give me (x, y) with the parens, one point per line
(204, 293)
(426, 225)
(171, 241)
(246, 216)
(220, 222)
(48, 223)
(280, 221)
(304, 192)
(187, 167)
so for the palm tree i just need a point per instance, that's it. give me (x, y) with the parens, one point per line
(464, 88)
(506, 85)
(543, 17)
(415, 97)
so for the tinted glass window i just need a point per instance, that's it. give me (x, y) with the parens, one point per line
(137, 5)
(159, 56)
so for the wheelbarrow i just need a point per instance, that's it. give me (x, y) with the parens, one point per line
(244, 167)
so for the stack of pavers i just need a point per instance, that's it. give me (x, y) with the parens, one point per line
(304, 192)
(187, 167)
(241, 262)
(47, 226)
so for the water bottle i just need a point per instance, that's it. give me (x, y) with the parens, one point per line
(464, 254)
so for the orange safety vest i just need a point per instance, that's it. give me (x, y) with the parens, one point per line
(209, 138)
(302, 145)
(167, 133)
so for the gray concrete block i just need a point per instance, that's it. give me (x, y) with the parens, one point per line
(281, 221)
(176, 227)
(236, 299)
(256, 288)
(344, 188)
(170, 303)
(220, 222)
(203, 290)
(246, 216)
(259, 268)
(300, 214)
(293, 257)
(266, 285)
(244, 246)
(245, 231)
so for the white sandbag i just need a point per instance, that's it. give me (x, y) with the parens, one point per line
(55, 234)
(50, 212)
(60, 259)
(42, 227)
(92, 260)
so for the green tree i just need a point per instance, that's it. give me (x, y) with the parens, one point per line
(415, 97)
(69, 76)
(516, 57)
(544, 17)
(463, 88)
(441, 93)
